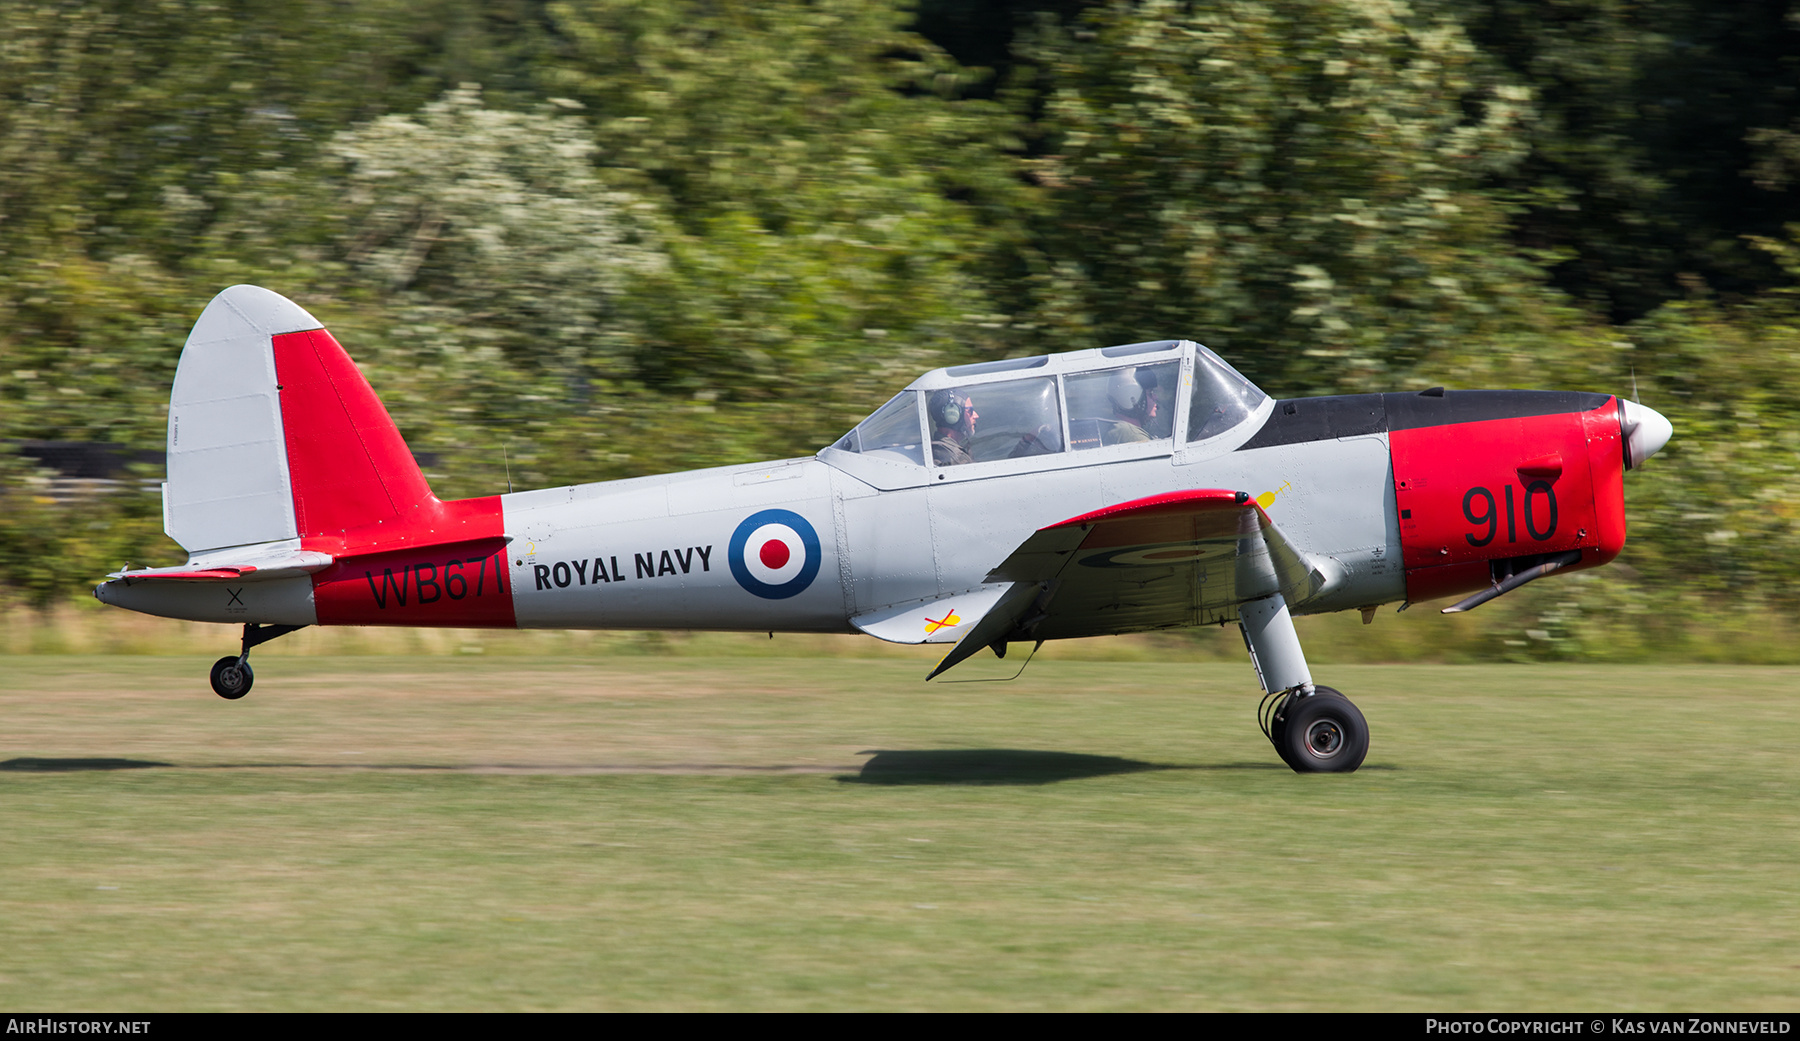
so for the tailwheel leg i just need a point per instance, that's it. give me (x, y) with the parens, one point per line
(232, 676)
(1314, 729)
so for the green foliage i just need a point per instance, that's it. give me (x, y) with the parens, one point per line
(583, 241)
(1723, 512)
(125, 129)
(50, 548)
(831, 202)
(1294, 183)
(468, 256)
(1651, 114)
(716, 212)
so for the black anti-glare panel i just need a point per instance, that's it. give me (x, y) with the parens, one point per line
(1297, 420)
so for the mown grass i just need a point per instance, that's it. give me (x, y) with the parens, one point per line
(628, 832)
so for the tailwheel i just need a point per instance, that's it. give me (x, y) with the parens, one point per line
(232, 677)
(1320, 733)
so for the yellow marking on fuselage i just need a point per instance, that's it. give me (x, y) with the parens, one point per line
(1267, 499)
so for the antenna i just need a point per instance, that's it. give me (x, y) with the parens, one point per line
(508, 464)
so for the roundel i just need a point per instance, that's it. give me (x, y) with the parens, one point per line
(774, 554)
(1169, 553)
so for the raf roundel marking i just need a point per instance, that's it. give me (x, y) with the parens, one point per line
(1162, 554)
(774, 554)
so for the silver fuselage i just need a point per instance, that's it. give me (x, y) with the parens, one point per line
(664, 542)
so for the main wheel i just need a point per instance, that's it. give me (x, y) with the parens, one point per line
(231, 678)
(1323, 733)
(1278, 720)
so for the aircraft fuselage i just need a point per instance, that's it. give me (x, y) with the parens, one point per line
(1410, 497)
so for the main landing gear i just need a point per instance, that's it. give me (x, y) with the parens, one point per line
(1321, 732)
(231, 675)
(1314, 729)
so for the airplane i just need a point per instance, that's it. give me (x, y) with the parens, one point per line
(1122, 489)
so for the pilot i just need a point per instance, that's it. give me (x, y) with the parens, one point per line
(952, 419)
(1159, 401)
(1131, 408)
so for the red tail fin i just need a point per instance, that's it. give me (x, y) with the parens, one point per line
(356, 487)
(359, 495)
(348, 464)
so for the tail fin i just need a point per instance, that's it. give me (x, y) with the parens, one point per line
(274, 434)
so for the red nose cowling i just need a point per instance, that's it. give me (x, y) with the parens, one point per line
(1512, 489)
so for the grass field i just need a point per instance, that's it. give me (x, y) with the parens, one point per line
(624, 832)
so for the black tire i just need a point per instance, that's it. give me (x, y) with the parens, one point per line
(1278, 721)
(231, 680)
(1278, 731)
(1323, 733)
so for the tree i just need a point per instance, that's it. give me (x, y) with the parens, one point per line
(1295, 183)
(1651, 114)
(832, 201)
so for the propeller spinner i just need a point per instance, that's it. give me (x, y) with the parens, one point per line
(1646, 431)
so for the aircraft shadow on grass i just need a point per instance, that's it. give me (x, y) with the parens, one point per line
(1007, 766)
(59, 766)
(970, 766)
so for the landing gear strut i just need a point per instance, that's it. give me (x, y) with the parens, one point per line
(1314, 729)
(232, 676)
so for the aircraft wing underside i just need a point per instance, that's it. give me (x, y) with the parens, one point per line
(1181, 559)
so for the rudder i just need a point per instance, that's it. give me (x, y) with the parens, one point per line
(346, 459)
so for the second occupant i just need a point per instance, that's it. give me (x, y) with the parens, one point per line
(1131, 407)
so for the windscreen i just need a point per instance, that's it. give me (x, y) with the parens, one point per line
(1222, 397)
(891, 432)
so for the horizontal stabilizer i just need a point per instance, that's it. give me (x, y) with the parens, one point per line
(248, 569)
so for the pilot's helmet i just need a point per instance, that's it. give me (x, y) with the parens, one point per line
(1124, 390)
(952, 410)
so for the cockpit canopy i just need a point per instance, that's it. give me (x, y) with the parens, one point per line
(1053, 404)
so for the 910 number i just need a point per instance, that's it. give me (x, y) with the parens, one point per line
(1479, 508)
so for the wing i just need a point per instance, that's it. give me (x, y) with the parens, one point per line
(1167, 561)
